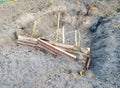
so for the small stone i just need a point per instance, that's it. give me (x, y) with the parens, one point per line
(82, 73)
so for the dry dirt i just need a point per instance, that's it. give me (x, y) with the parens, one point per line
(28, 67)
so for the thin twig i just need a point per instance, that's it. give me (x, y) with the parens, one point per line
(76, 42)
(34, 29)
(63, 34)
(87, 60)
(58, 27)
(79, 38)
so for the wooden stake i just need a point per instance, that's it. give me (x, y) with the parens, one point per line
(56, 49)
(88, 60)
(76, 40)
(34, 29)
(58, 27)
(63, 34)
(79, 38)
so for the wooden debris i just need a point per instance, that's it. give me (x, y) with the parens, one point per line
(34, 28)
(88, 60)
(44, 45)
(66, 46)
(53, 48)
(58, 28)
(77, 38)
(63, 34)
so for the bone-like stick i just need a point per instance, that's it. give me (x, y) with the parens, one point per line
(63, 34)
(76, 40)
(88, 60)
(58, 28)
(34, 29)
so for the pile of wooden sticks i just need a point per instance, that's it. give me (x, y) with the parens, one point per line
(55, 48)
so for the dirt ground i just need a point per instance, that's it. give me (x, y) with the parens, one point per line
(98, 25)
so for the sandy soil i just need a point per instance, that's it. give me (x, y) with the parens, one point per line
(28, 67)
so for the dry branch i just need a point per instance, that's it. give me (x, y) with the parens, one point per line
(76, 40)
(66, 46)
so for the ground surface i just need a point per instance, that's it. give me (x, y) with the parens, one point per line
(27, 67)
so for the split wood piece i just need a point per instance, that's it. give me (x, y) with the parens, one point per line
(88, 60)
(63, 35)
(76, 40)
(34, 44)
(31, 42)
(34, 40)
(56, 49)
(68, 47)
(20, 38)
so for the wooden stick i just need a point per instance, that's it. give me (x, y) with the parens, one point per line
(26, 38)
(34, 29)
(56, 49)
(58, 27)
(44, 45)
(88, 60)
(76, 42)
(63, 34)
(66, 46)
(79, 38)
(34, 44)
